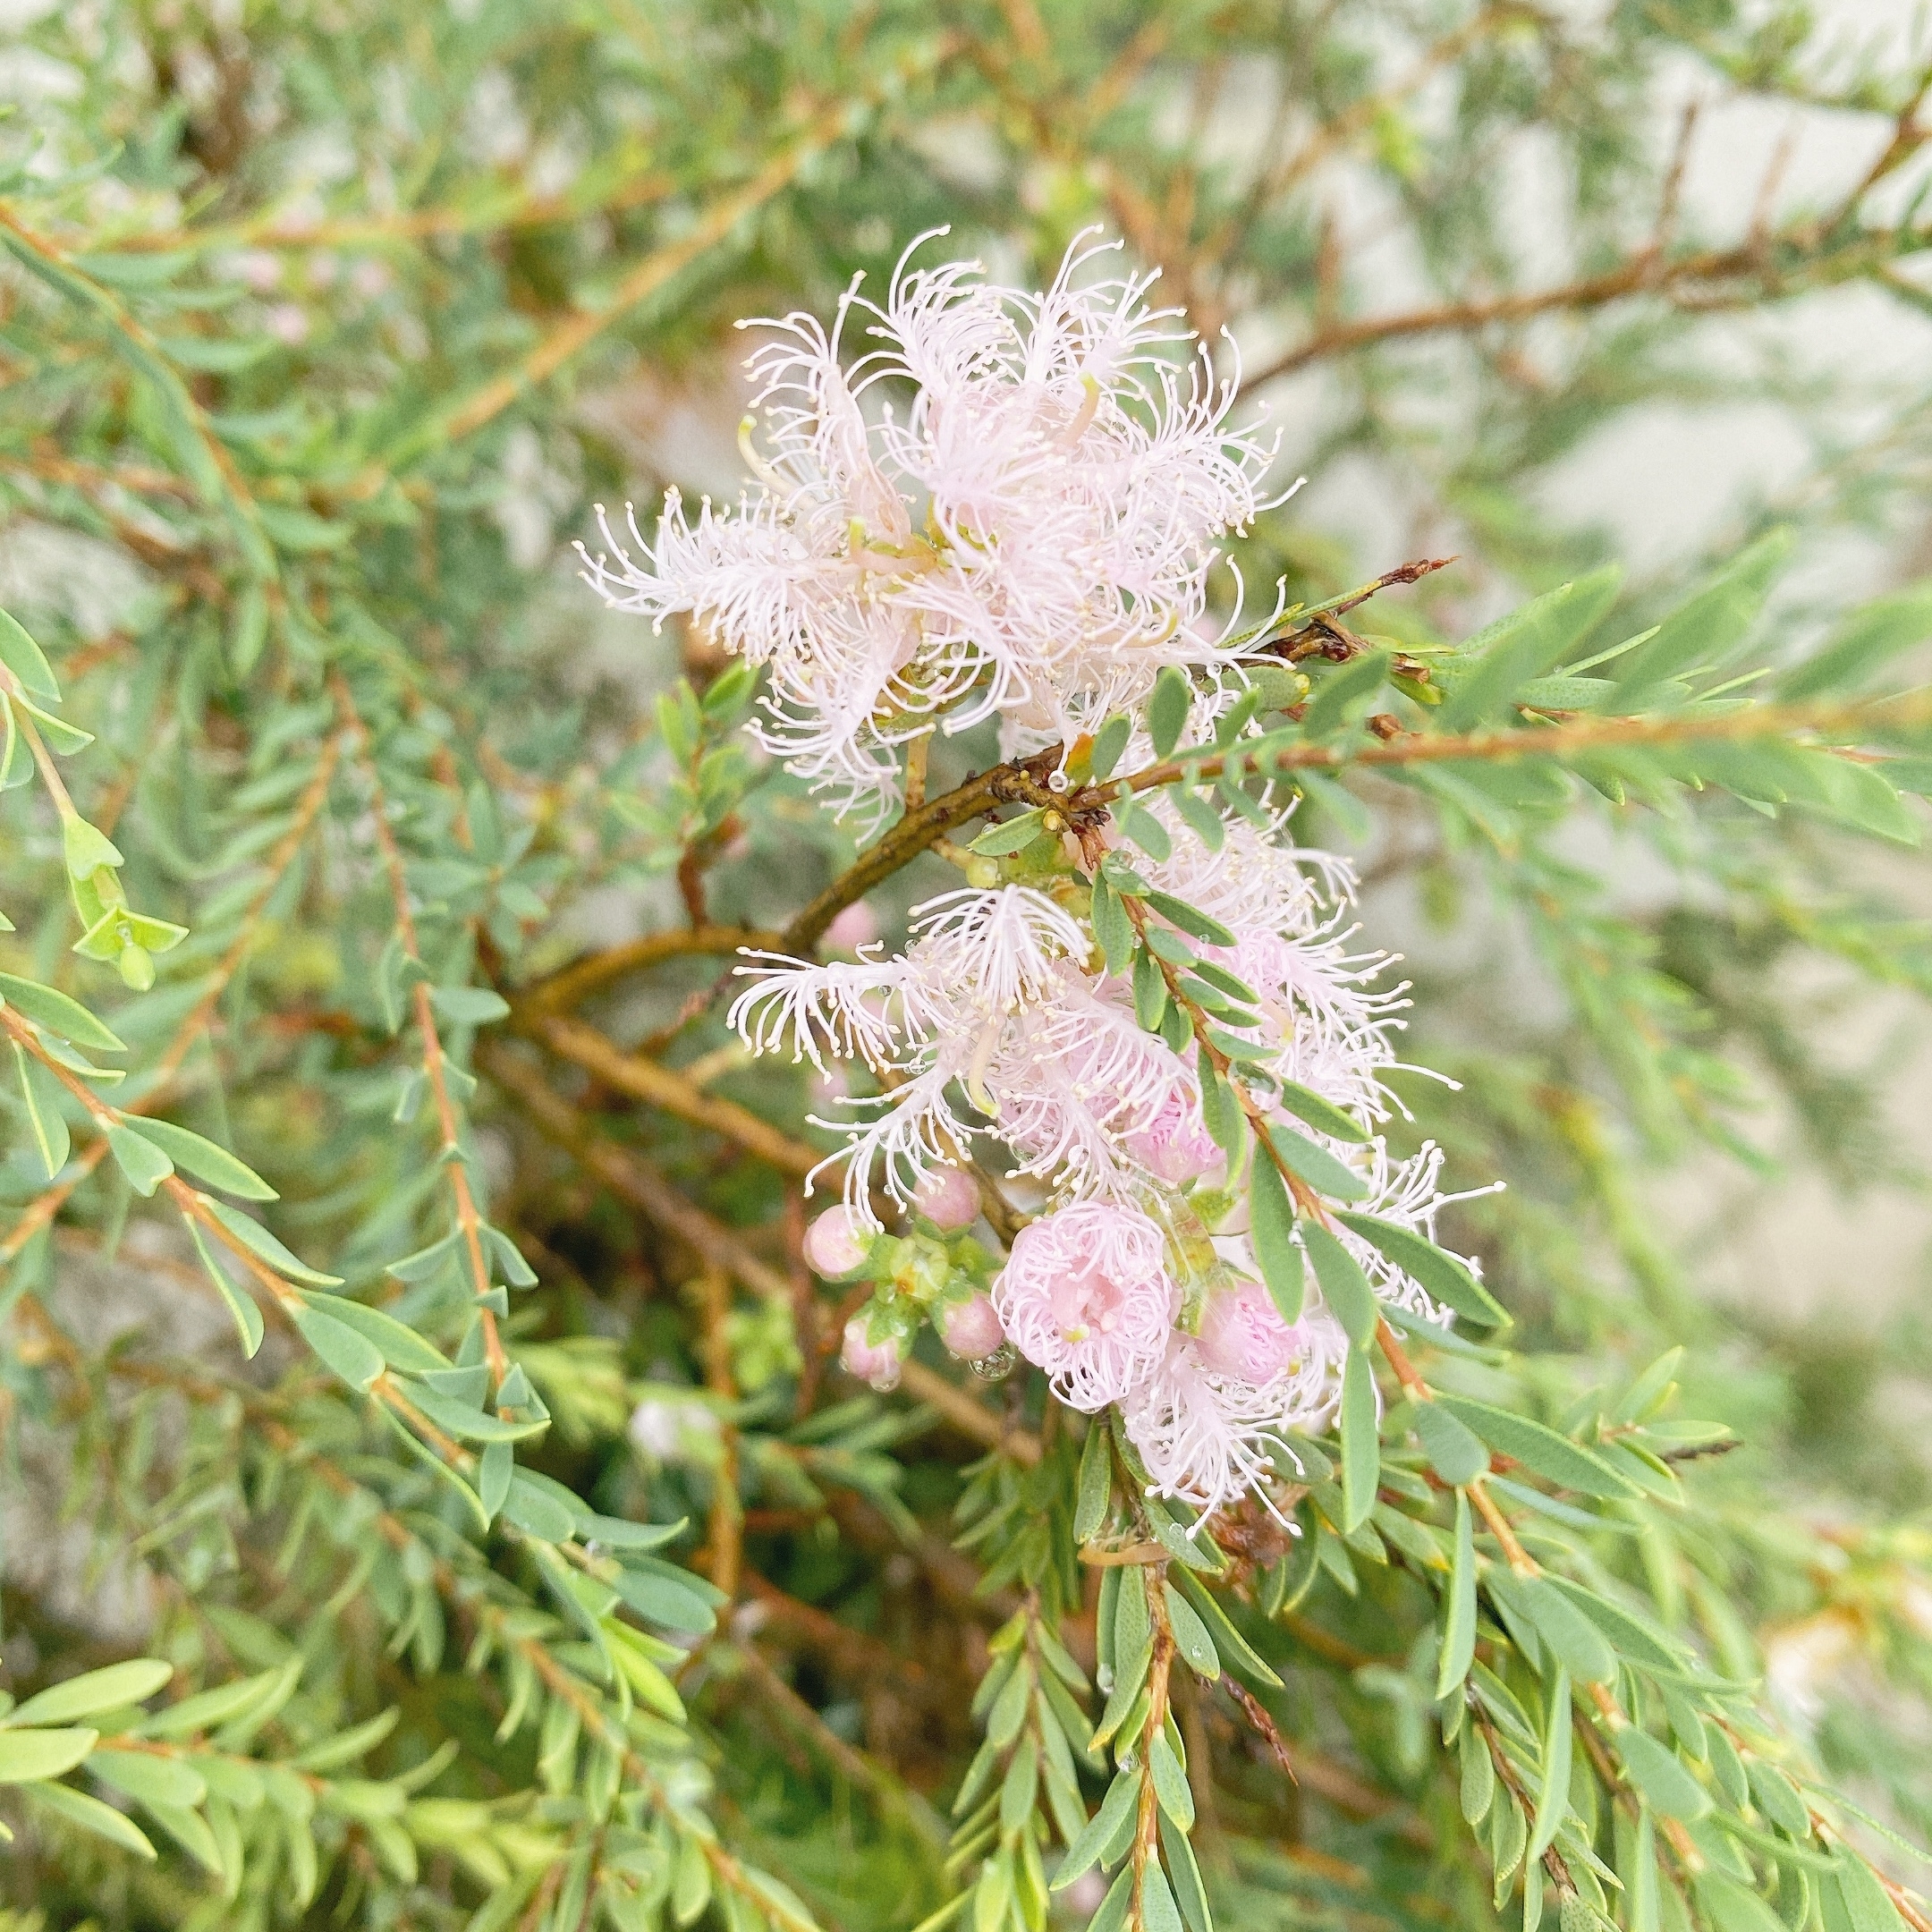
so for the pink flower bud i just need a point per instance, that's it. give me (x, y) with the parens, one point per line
(971, 1329)
(1242, 1335)
(877, 1362)
(835, 1244)
(949, 1197)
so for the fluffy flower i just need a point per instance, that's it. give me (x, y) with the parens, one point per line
(989, 1011)
(1086, 1295)
(1030, 538)
(1207, 1437)
(1243, 1337)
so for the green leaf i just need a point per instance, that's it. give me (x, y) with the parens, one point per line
(1143, 828)
(1271, 1223)
(472, 1425)
(468, 1005)
(86, 849)
(1732, 1906)
(1322, 1170)
(1498, 662)
(1555, 1457)
(240, 1304)
(665, 1600)
(41, 1093)
(1112, 927)
(1189, 920)
(151, 1779)
(1191, 1634)
(1553, 1800)
(1867, 1907)
(1576, 1643)
(1455, 1454)
(206, 1161)
(259, 1242)
(1641, 1877)
(65, 739)
(1158, 1911)
(27, 1755)
(1659, 1773)
(25, 659)
(1345, 695)
(1108, 745)
(1634, 1640)
(537, 1512)
(133, 1682)
(90, 1815)
(1344, 1285)
(1011, 835)
(1095, 1482)
(1361, 1447)
(1170, 1783)
(1200, 817)
(1459, 1620)
(1323, 1115)
(1221, 1113)
(1084, 1852)
(1863, 640)
(618, 1532)
(1235, 1652)
(351, 1356)
(1167, 709)
(1184, 1875)
(402, 1347)
(1704, 630)
(65, 1018)
(1441, 1276)
(143, 1163)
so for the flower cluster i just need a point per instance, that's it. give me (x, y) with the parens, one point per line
(1009, 507)
(1031, 538)
(999, 1028)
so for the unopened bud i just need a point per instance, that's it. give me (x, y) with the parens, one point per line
(835, 1244)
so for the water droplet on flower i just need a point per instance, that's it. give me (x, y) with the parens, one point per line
(997, 1366)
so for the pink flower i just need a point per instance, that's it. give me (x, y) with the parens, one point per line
(1086, 1295)
(1208, 1438)
(835, 1244)
(877, 1362)
(971, 1329)
(949, 1197)
(1174, 1146)
(1242, 1335)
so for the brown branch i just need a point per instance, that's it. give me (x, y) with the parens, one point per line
(1711, 278)
(663, 1088)
(1021, 783)
(1575, 733)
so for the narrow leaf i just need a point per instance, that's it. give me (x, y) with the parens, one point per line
(1459, 1622)
(1361, 1445)
(1271, 1224)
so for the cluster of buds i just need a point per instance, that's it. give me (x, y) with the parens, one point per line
(936, 1272)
